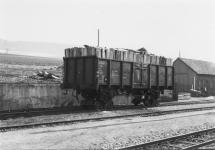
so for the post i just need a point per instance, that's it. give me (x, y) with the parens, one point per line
(194, 83)
(98, 37)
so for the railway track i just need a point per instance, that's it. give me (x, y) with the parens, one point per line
(194, 140)
(54, 111)
(148, 114)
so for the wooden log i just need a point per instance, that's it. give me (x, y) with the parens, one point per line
(74, 52)
(66, 52)
(141, 58)
(157, 60)
(107, 53)
(89, 52)
(112, 53)
(84, 52)
(69, 52)
(134, 57)
(104, 53)
(146, 59)
(160, 60)
(153, 59)
(118, 55)
(121, 54)
(171, 62)
(115, 54)
(125, 55)
(168, 61)
(128, 55)
(98, 52)
(138, 57)
(78, 51)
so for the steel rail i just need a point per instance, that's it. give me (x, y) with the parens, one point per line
(139, 146)
(199, 145)
(15, 114)
(147, 114)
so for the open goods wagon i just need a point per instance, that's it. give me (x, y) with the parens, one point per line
(98, 80)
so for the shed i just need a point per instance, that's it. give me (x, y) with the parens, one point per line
(194, 74)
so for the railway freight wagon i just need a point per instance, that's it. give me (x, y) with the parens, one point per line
(100, 75)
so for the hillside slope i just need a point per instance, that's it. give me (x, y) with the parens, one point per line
(43, 49)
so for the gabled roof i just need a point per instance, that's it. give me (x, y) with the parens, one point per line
(199, 66)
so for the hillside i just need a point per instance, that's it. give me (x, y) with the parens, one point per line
(43, 49)
(29, 60)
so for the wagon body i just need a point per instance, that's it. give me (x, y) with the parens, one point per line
(91, 72)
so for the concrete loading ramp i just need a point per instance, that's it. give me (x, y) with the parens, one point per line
(20, 96)
(33, 96)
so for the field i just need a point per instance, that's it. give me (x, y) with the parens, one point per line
(24, 69)
(29, 60)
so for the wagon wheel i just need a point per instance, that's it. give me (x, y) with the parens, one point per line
(109, 105)
(107, 96)
(155, 97)
(98, 105)
(148, 101)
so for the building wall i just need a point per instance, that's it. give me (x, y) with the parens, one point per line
(184, 76)
(206, 82)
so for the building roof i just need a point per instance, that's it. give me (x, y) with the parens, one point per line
(199, 66)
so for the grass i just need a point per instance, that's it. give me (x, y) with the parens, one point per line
(29, 60)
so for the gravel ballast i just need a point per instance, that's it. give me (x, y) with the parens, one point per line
(99, 114)
(108, 134)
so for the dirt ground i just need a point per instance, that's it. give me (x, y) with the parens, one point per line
(108, 134)
(10, 73)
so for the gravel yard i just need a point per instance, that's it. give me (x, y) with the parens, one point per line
(108, 134)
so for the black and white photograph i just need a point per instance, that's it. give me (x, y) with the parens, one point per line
(107, 74)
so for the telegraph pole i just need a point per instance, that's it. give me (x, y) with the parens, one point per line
(98, 37)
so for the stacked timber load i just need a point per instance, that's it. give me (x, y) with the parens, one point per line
(140, 56)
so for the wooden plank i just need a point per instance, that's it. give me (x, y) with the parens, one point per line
(169, 62)
(84, 52)
(67, 52)
(121, 54)
(71, 52)
(125, 55)
(118, 55)
(146, 59)
(107, 53)
(98, 52)
(141, 58)
(74, 52)
(103, 52)
(157, 60)
(112, 53)
(77, 51)
(134, 57)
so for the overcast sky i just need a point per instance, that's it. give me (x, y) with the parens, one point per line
(163, 27)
